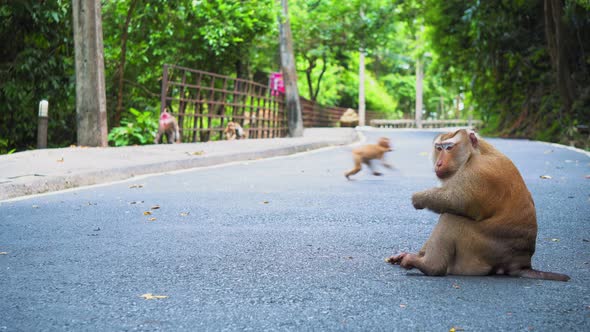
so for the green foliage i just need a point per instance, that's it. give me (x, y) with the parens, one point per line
(499, 53)
(493, 56)
(36, 62)
(139, 130)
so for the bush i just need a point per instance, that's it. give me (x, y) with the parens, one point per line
(138, 131)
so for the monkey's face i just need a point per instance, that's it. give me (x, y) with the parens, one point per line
(384, 142)
(451, 151)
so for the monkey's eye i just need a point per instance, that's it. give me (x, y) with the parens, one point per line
(449, 147)
(438, 148)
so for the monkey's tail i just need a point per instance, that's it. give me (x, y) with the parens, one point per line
(534, 274)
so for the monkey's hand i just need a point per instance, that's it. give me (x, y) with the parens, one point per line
(387, 165)
(419, 200)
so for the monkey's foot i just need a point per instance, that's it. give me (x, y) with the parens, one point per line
(377, 173)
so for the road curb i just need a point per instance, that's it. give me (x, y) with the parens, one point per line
(47, 184)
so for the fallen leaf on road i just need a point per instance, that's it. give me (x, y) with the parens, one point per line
(455, 286)
(455, 328)
(3, 253)
(136, 186)
(147, 213)
(402, 306)
(545, 176)
(136, 202)
(265, 202)
(35, 206)
(184, 214)
(554, 240)
(196, 153)
(548, 151)
(155, 207)
(152, 219)
(150, 296)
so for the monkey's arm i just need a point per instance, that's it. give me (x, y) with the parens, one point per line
(442, 200)
(385, 163)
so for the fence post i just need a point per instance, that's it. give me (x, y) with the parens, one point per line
(42, 125)
(164, 89)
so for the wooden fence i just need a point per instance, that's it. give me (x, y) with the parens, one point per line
(205, 102)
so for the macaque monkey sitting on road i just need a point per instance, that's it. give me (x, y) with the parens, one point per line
(488, 223)
(233, 130)
(168, 126)
(366, 153)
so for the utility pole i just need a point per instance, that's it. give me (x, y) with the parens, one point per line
(362, 87)
(419, 103)
(293, 104)
(91, 113)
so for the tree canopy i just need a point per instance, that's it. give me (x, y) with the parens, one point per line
(521, 66)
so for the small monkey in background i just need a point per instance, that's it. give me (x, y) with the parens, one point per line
(488, 222)
(233, 130)
(168, 126)
(366, 153)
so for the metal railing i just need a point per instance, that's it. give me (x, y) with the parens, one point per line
(317, 115)
(205, 102)
(469, 123)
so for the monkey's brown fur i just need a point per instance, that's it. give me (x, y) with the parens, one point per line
(167, 125)
(366, 153)
(488, 222)
(233, 131)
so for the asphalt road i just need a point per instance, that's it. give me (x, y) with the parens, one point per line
(284, 244)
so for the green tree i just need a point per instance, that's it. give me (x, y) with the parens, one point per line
(36, 62)
(524, 78)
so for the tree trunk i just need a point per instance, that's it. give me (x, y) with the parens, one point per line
(91, 113)
(293, 103)
(322, 72)
(556, 35)
(122, 60)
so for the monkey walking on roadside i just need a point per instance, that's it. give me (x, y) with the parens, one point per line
(487, 224)
(365, 154)
(168, 126)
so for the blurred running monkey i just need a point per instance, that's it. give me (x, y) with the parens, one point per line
(366, 153)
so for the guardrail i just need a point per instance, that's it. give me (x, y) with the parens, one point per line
(426, 123)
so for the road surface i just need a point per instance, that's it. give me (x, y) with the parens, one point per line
(284, 244)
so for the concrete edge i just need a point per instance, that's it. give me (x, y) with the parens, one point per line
(58, 183)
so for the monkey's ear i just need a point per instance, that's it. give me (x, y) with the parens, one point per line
(473, 139)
